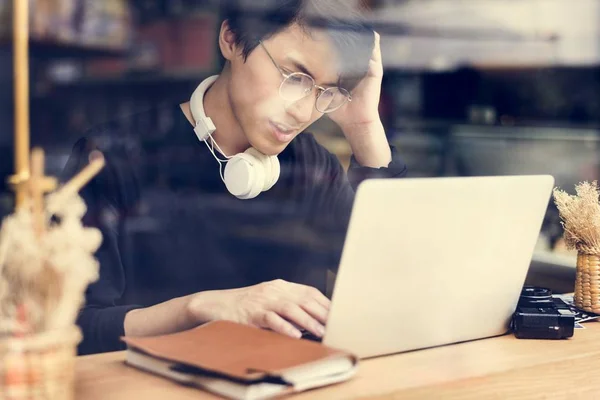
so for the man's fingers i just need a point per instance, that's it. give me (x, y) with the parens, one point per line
(308, 292)
(321, 299)
(289, 307)
(272, 321)
(316, 310)
(295, 314)
(377, 48)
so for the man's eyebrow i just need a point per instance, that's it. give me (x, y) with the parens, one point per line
(300, 67)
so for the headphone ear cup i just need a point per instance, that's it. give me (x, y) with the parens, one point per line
(259, 177)
(272, 179)
(244, 176)
(270, 165)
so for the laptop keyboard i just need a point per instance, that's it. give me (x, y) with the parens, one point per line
(307, 335)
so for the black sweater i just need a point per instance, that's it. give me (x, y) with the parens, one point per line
(170, 228)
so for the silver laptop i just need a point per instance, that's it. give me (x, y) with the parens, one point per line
(434, 261)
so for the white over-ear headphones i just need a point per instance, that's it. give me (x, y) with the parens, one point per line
(247, 174)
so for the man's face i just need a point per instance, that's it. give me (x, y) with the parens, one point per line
(268, 121)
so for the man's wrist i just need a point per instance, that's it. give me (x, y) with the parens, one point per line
(203, 307)
(369, 144)
(195, 309)
(130, 323)
(171, 316)
(357, 130)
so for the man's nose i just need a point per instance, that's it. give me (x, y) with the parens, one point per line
(301, 110)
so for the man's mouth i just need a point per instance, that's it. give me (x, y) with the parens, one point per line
(282, 133)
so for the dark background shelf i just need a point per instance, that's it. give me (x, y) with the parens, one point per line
(50, 49)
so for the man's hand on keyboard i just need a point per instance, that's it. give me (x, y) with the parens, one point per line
(278, 305)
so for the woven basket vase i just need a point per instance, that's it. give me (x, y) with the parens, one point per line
(39, 366)
(587, 283)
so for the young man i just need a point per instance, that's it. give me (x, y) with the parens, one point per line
(208, 255)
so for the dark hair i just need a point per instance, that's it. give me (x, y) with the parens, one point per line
(352, 38)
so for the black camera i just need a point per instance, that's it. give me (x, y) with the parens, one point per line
(541, 316)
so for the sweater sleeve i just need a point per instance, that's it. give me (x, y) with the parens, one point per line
(102, 316)
(395, 169)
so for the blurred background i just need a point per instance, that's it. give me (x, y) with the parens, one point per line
(471, 87)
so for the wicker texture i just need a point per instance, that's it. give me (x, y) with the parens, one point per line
(39, 366)
(587, 283)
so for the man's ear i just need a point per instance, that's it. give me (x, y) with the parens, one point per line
(227, 42)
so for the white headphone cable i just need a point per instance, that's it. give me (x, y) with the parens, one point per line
(212, 151)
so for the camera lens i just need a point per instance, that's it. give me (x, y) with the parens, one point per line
(536, 293)
(534, 296)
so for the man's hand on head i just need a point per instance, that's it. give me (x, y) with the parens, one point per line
(277, 305)
(359, 119)
(364, 107)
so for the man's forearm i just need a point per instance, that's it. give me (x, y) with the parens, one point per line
(168, 317)
(369, 144)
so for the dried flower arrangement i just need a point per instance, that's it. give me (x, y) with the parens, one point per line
(46, 256)
(580, 218)
(580, 215)
(46, 262)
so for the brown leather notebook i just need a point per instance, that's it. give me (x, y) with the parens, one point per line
(239, 361)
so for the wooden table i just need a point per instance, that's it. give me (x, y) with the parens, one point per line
(495, 368)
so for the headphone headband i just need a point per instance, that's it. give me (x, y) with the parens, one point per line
(204, 125)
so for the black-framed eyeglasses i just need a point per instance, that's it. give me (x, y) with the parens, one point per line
(298, 85)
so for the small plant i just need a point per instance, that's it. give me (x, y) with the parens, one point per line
(580, 217)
